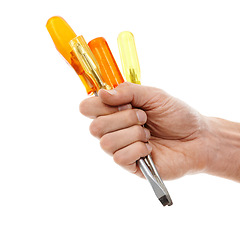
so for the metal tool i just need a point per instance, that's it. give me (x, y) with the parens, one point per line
(97, 69)
(131, 70)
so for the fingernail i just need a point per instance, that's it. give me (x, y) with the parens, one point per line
(124, 107)
(149, 147)
(147, 133)
(141, 116)
(111, 92)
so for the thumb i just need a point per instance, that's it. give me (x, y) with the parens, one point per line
(137, 95)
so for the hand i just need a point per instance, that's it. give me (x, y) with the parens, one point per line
(177, 140)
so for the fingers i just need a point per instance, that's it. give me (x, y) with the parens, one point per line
(114, 141)
(121, 98)
(123, 94)
(121, 133)
(94, 107)
(116, 121)
(128, 156)
(125, 140)
(127, 92)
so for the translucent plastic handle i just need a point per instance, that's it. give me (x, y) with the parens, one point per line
(94, 62)
(88, 61)
(108, 66)
(61, 34)
(129, 58)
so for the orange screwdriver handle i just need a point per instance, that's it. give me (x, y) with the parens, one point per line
(108, 67)
(61, 34)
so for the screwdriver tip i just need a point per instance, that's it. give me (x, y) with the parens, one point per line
(164, 200)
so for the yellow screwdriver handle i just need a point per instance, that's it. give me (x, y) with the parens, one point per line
(129, 57)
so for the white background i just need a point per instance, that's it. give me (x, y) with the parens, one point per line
(55, 182)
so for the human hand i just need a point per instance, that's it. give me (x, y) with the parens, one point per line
(177, 140)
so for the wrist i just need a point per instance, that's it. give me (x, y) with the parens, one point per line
(223, 147)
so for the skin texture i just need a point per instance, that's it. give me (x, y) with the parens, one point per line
(180, 139)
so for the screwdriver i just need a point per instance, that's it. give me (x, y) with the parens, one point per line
(77, 53)
(96, 71)
(131, 70)
(94, 63)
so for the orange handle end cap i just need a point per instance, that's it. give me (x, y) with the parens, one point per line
(108, 66)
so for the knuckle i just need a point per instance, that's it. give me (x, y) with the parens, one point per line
(83, 107)
(125, 84)
(96, 128)
(117, 157)
(106, 143)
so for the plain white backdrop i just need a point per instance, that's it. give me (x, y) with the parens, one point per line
(55, 182)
